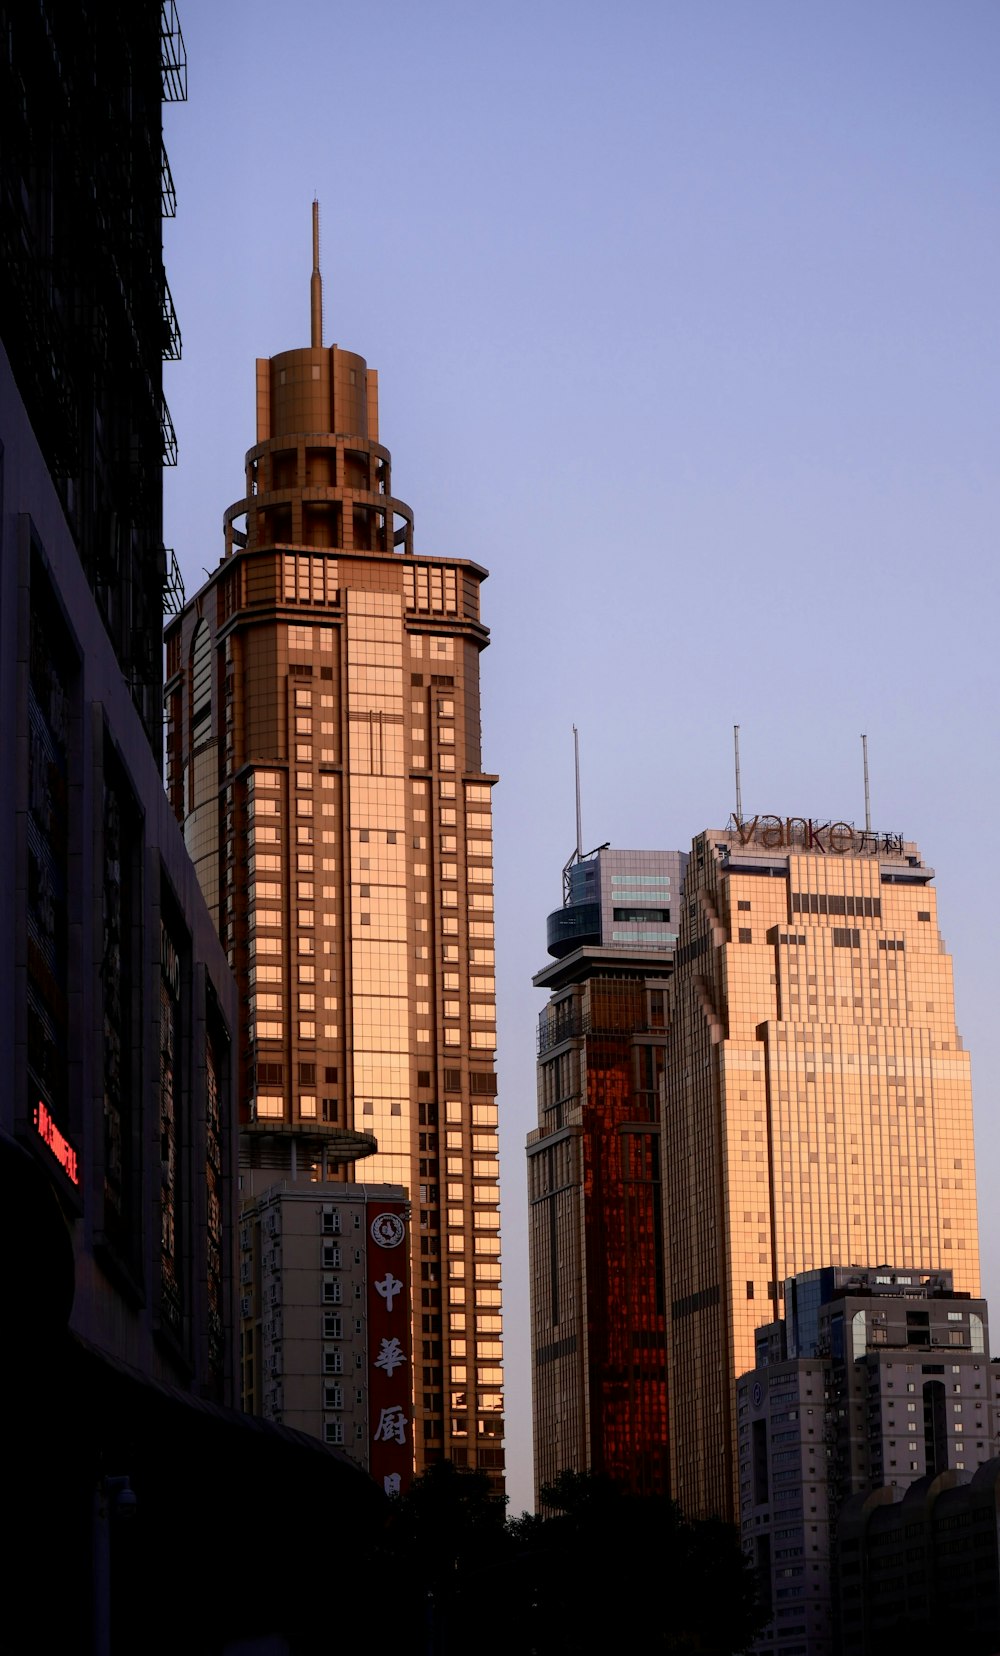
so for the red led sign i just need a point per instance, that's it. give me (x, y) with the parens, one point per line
(57, 1142)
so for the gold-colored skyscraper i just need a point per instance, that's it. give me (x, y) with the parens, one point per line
(323, 743)
(818, 1102)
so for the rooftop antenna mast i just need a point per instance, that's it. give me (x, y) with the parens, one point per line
(579, 813)
(316, 285)
(868, 803)
(739, 791)
(579, 855)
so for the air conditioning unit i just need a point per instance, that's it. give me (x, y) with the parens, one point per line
(246, 1305)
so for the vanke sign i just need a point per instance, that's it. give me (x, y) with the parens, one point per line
(811, 834)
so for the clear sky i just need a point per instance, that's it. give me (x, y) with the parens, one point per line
(686, 322)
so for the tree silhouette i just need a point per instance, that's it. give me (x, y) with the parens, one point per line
(600, 1567)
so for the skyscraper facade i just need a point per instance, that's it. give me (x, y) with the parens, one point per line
(818, 1101)
(323, 751)
(598, 1312)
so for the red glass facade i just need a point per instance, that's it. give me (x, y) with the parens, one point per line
(622, 1225)
(594, 1171)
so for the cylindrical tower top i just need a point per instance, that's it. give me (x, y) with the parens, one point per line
(317, 475)
(316, 390)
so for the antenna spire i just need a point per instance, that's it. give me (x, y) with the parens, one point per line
(868, 803)
(739, 793)
(579, 816)
(316, 284)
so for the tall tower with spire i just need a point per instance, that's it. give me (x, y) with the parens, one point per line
(323, 754)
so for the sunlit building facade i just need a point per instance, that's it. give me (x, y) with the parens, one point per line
(818, 1101)
(323, 752)
(598, 1311)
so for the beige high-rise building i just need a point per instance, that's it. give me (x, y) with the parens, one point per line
(323, 742)
(818, 1105)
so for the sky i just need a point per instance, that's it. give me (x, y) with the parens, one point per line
(686, 324)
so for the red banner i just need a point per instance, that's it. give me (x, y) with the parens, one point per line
(390, 1369)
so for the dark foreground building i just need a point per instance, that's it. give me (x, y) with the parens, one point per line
(133, 1480)
(922, 1573)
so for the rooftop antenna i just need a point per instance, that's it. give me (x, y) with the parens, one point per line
(579, 855)
(868, 803)
(739, 791)
(316, 285)
(579, 814)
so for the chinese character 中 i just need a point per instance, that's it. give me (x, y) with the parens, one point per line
(391, 1426)
(391, 1356)
(389, 1287)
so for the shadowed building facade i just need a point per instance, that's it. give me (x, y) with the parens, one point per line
(598, 1311)
(323, 752)
(118, 1012)
(922, 1564)
(818, 1101)
(872, 1379)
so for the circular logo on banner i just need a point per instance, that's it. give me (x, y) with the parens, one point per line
(757, 1394)
(387, 1230)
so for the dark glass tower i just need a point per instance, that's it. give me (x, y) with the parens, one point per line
(598, 1315)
